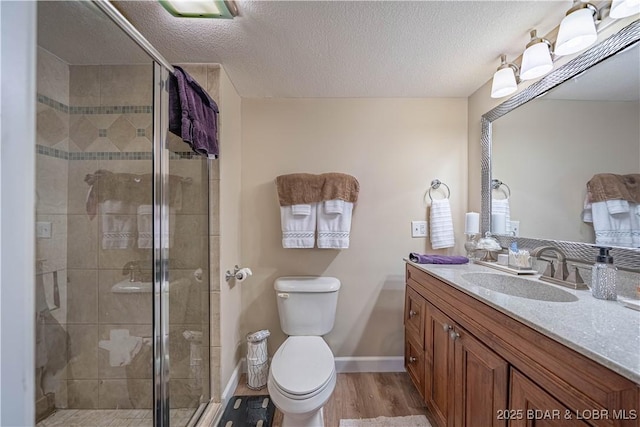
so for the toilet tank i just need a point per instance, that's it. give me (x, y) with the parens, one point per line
(307, 304)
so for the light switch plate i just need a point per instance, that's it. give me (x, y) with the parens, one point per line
(515, 228)
(418, 228)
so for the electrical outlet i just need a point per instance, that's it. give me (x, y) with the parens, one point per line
(43, 230)
(418, 228)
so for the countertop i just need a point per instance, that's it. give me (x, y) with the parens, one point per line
(604, 331)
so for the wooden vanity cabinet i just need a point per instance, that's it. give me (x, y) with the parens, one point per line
(466, 383)
(476, 366)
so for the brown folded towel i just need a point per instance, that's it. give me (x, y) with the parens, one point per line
(608, 186)
(340, 186)
(305, 188)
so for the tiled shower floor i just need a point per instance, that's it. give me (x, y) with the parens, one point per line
(111, 417)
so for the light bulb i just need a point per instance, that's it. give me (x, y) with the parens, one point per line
(577, 32)
(504, 83)
(624, 8)
(536, 61)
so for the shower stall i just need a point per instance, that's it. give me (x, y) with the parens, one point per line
(122, 231)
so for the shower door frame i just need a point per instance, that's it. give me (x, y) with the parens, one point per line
(161, 155)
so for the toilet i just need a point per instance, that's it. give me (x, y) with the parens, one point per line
(303, 373)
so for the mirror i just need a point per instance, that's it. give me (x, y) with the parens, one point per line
(548, 141)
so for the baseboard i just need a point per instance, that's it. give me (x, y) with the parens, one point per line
(233, 382)
(370, 364)
(343, 365)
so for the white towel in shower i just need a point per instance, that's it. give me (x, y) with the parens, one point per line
(118, 224)
(441, 224)
(145, 227)
(298, 224)
(334, 224)
(501, 206)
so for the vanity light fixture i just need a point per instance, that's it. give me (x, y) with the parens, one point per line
(201, 8)
(505, 80)
(577, 30)
(536, 59)
(624, 8)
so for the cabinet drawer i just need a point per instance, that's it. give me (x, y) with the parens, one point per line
(414, 312)
(414, 363)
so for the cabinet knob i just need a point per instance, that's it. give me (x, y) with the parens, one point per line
(412, 313)
(454, 335)
(446, 327)
(412, 359)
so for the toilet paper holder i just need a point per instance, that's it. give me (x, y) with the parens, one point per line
(240, 274)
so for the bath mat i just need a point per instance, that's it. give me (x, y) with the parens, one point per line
(248, 411)
(408, 421)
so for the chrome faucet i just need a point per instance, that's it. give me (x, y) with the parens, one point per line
(558, 273)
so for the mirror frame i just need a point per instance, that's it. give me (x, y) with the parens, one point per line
(627, 258)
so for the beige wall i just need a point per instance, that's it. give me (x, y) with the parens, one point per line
(394, 147)
(230, 230)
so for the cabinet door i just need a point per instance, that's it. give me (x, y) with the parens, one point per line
(438, 375)
(531, 406)
(480, 383)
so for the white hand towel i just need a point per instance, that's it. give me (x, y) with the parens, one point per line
(501, 206)
(617, 206)
(441, 224)
(298, 224)
(614, 229)
(118, 224)
(334, 224)
(145, 227)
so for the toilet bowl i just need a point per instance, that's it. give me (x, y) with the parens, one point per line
(301, 380)
(303, 372)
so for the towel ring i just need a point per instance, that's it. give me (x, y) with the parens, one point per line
(496, 184)
(435, 184)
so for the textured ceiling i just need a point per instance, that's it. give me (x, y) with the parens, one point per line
(350, 49)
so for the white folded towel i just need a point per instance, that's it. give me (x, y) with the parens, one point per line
(441, 224)
(617, 206)
(616, 229)
(118, 224)
(298, 224)
(334, 224)
(501, 206)
(334, 206)
(145, 227)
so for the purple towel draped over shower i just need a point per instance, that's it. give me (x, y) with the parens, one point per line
(193, 115)
(437, 259)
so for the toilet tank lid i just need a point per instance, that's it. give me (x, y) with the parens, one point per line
(307, 284)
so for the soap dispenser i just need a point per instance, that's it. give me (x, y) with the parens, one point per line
(603, 276)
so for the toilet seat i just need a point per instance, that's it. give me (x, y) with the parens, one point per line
(302, 367)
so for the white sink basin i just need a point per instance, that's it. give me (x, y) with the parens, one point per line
(519, 287)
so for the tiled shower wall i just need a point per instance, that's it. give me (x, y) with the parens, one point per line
(99, 117)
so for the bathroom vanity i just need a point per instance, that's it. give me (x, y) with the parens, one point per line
(483, 356)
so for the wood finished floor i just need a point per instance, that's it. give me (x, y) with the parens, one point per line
(362, 395)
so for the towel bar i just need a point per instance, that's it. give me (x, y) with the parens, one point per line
(435, 184)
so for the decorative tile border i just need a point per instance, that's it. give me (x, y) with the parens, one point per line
(53, 103)
(117, 155)
(106, 155)
(111, 109)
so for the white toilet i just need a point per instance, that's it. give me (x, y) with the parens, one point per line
(303, 373)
